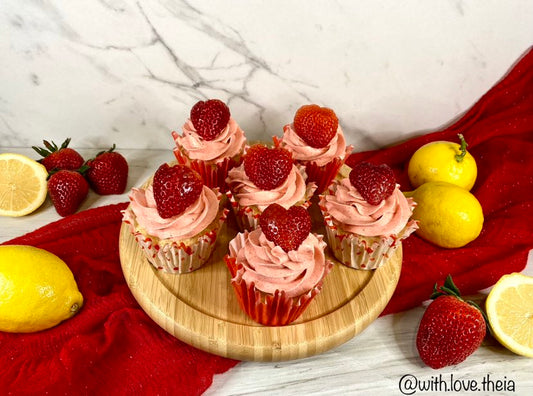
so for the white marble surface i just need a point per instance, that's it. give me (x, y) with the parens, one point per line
(129, 71)
(374, 362)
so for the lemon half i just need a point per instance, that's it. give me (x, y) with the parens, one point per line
(22, 184)
(509, 309)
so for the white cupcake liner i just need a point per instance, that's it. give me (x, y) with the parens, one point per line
(361, 252)
(176, 257)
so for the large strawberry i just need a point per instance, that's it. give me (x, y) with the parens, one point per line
(286, 228)
(209, 118)
(267, 167)
(451, 328)
(108, 172)
(67, 190)
(175, 188)
(315, 125)
(374, 182)
(55, 158)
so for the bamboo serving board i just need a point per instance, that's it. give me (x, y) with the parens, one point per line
(200, 308)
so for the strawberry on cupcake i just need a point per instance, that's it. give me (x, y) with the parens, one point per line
(278, 268)
(266, 176)
(366, 215)
(176, 219)
(211, 142)
(316, 141)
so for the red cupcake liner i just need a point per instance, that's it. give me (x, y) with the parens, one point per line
(268, 309)
(213, 175)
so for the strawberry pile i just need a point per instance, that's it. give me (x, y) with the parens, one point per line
(70, 176)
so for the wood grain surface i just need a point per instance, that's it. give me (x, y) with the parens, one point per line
(200, 308)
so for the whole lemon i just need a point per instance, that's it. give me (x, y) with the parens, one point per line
(449, 216)
(443, 161)
(37, 289)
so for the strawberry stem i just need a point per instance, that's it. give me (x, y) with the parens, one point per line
(464, 145)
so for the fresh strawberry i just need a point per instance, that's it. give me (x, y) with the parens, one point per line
(451, 328)
(286, 228)
(175, 189)
(67, 190)
(108, 172)
(374, 182)
(315, 125)
(267, 167)
(61, 157)
(210, 118)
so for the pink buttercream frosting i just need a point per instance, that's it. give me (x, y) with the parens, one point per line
(292, 191)
(229, 143)
(353, 214)
(271, 268)
(302, 151)
(197, 217)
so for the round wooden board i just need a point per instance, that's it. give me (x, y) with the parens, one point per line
(200, 308)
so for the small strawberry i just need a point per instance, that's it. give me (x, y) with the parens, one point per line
(175, 189)
(267, 167)
(108, 172)
(61, 157)
(209, 118)
(67, 190)
(451, 328)
(315, 125)
(286, 228)
(374, 182)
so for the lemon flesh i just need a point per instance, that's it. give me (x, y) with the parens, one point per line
(436, 161)
(448, 216)
(509, 309)
(22, 185)
(37, 290)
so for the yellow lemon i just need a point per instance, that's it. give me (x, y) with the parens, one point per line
(22, 185)
(509, 309)
(37, 289)
(443, 161)
(449, 216)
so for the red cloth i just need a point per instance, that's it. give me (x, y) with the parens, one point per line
(499, 131)
(113, 347)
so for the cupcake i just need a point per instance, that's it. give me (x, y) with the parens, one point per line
(211, 142)
(266, 176)
(176, 219)
(278, 268)
(366, 215)
(316, 141)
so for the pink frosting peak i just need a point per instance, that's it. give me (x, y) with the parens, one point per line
(301, 151)
(292, 191)
(229, 143)
(188, 224)
(353, 214)
(271, 268)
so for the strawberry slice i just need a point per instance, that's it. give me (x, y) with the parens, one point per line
(316, 125)
(267, 167)
(286, 228)
(374, 182)
(210, 118)
(175, 189)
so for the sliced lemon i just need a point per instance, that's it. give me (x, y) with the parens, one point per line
(509, 309)
(22, 184)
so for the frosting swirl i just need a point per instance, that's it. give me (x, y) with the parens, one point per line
(302, 151)
(292, 191)
(271, 268)
(229, 143)
(191, 222)
(352, 213)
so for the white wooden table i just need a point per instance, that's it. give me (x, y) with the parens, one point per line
(382, 359)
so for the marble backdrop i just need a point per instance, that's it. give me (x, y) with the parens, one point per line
(128, 72)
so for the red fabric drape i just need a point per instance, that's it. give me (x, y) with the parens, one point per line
(113, 347)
